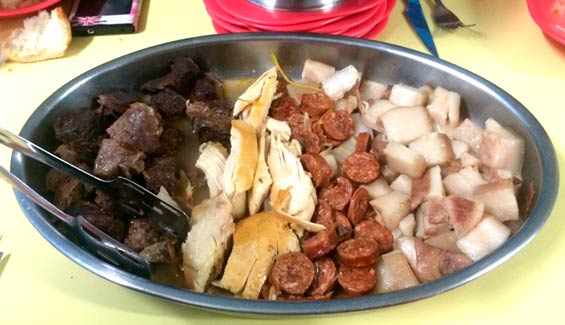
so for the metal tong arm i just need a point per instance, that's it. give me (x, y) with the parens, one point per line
(95, 240)
(31, 150)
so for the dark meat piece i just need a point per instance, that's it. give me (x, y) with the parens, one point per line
(113, 160)
(116, 102)
(98, 217)
(206, 89)
(104, 201)
(169, 103)
(292, 273)
(184, 74)
(162, 171)
(141, 234)
(69, 153)
(67, 190)
(171, 139)
(139, 127)
(81, 128)
(211, 121)
(343, 226)
(282, 108)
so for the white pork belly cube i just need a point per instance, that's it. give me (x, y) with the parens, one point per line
(394, 273)
(464, 214)
(377, 188)
(403, 95)
(336, 85)
(403, 183)
(444, 107)
(486, 237)
(470, 133)
(446, 240)
(468, 160)
(406, 124)
(501, 148)
(459, 148)
(348, 103)
(316, 71)
(435, 147)
(370, 113)
(463, 182)
(407, 225)
(431, 219)
(499, 199)
(428, 186)
(404, 160)
(392, 207)
(371, 91)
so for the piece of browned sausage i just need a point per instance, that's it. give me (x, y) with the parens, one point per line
(363, 141)
(338, 193)
(316, 104)
(357, 281)
(324, 214)
(321, 243)
(318, 167)
(358, 206)
(358, 252)
(362, 167)
(302, 132)
(282, 108)
(292, 273)
(372, 229)
(343, 226)
(326, 275)
(338, 125)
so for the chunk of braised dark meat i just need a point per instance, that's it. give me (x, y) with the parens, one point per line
(156, 253)
(140, 127)
(171, 139)
(141, 234)
(116, 102)
(105, 202)
(206, 89)
(81, 128)
(69, 153)
(161, 171)
(66, 190)
(211, 121)
(104, 221)
(169, 103)
(184, 74)
(114, 159)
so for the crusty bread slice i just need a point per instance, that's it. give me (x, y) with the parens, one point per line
(44, 36)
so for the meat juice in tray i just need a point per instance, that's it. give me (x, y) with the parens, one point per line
(331, 186)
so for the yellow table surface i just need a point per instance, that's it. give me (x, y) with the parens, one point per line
(38, 285)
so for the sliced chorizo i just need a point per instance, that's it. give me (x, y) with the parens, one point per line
(372, 229)
(338, 125)
(357, 281)
(318, 167)
(316, 104)
(362, 167)
(358, 252)
(282, 108)
(303, 133)
(337, 194)
(326, 275)
(292, 273)
(324, 214)
(343, 226)
(363, 140)
(358, 206)
(321, 243)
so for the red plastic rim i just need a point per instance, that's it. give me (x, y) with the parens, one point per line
(28, 10)
(550, 17)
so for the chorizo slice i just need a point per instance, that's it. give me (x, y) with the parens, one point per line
(363, 141)
(318, 167)
(337, 194)
(372, 229)
(326, 275)
(283, 108)
(357, 281)
(362, 167)
(324, 214)
(321, 243)
(303, 132)
(358, 206)
(343, 226)
(338, 125)
(292, 273)
(316, 104)
(358, 252)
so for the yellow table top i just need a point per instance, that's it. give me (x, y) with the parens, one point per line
(39, 285)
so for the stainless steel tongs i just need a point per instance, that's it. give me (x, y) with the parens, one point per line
(94, 240)
(129, 196)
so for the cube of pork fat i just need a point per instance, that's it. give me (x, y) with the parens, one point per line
(470, 133)
(428, 186)
(464, 214)
(501, 148)
(406, 123)
(403, 95)
(372, 91)
(404, 160)
(371, 113)
(444, 107)
(393, 207)
(394, 273)
(463, 182)
(341, 82)
(377, 188)
(499, 199)
(431, 219)
(435, 147)
(403, 183)
(316, 71)
(487, 236)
